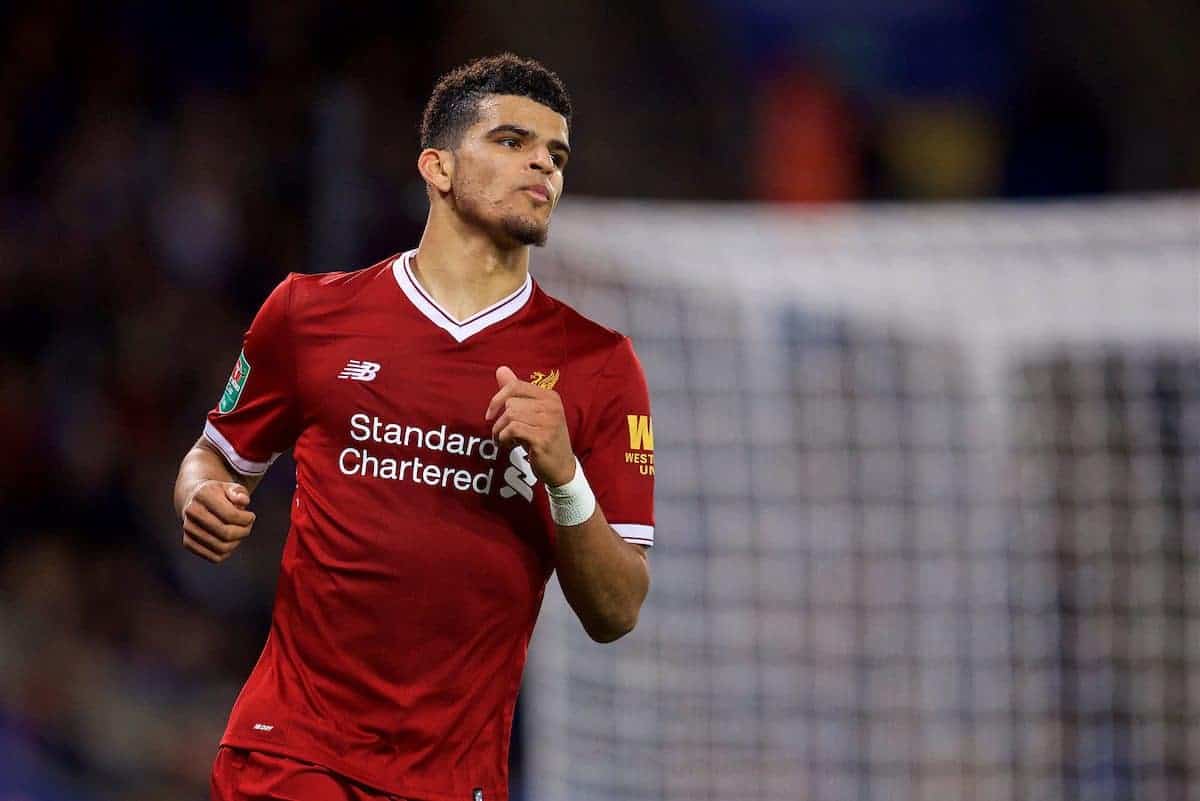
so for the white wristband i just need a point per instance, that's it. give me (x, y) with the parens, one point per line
(572, 503)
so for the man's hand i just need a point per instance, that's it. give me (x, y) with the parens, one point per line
(533, 417)
(216, 520)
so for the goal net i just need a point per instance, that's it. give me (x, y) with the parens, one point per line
(928, 507)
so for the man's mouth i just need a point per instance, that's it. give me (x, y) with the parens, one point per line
(538, 192)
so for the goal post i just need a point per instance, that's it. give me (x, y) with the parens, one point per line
(928, 506)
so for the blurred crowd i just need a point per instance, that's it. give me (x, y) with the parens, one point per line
(164, 165)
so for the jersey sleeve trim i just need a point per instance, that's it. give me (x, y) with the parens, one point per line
(246, 467)
(636, 533)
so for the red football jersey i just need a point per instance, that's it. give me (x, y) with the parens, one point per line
(419, 549)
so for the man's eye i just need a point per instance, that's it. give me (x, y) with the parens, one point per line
(509, 142)
(558, 159)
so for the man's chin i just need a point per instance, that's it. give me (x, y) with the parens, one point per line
(525, 231)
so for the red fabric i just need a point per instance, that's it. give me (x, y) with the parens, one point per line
(404, 607)
(617, 459)
(241, 775)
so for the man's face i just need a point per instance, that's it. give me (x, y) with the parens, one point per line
(508, 169)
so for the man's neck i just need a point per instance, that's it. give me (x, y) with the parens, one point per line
(464, 271)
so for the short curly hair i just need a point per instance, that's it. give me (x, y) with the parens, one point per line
(454, 105)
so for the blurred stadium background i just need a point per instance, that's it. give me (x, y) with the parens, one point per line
(917, 288)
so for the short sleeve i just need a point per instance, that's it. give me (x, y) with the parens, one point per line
(256, 418)
(618, 452)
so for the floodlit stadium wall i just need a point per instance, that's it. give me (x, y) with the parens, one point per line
(928, 507)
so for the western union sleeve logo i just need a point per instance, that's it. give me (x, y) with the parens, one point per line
(641, 443)
(641, 432)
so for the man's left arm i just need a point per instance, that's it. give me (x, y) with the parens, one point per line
(604, 578)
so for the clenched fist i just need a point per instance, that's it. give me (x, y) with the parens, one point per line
(533, 417)
(216, 520)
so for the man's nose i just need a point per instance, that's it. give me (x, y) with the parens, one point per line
(542, 160)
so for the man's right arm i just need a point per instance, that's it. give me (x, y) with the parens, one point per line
(211, 500)
(256, 419)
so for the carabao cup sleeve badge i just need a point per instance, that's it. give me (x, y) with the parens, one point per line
(237, 382)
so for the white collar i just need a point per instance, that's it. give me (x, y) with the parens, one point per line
(500, 310)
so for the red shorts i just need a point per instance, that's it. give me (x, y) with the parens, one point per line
(241, 775)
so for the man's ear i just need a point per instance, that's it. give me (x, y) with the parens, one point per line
(436, 167)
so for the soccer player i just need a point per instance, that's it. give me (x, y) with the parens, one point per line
(458, 435)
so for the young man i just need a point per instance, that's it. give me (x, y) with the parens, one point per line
(458, 435)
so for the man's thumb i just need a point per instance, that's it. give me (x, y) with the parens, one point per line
(505, 376)
(237, 493)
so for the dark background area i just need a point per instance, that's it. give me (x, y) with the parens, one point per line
(162, 166)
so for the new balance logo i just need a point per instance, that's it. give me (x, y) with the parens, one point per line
(359, 371)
